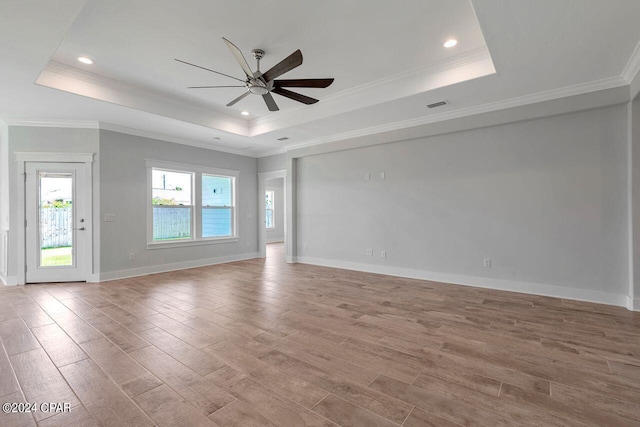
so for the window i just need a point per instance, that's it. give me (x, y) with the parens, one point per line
(269, 206)
(171, 197)
(217, 206)
(190, 205)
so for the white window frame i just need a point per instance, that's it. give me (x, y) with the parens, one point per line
(196, 213)
(192, 225)
(273, 209)
(232, 207)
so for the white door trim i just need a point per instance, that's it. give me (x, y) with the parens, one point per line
(22, 158)
(262, 227)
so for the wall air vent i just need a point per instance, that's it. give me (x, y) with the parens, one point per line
(437, 104)
(284, 138)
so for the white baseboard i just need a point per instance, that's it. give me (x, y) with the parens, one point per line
(480, 282)
(275, 239)
(9, 280)
(153, 269)
(633, 304)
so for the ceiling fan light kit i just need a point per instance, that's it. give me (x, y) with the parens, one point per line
(263, 84)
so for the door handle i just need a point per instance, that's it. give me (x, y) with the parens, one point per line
(79, 229)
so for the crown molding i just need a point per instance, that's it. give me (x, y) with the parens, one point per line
(176, 140)
(468, 65)
(89, 77)
(272, 152)
(466, 58)
(73, 80)
(549, 95)
(73, 124)
(633, 66)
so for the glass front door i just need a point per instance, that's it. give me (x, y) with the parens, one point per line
(56, 226)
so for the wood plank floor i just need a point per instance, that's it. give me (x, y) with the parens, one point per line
(263, 343)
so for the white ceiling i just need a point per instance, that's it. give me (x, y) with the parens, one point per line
(387, 59)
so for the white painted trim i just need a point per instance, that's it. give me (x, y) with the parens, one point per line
(9, 280)
(71, 79)
(275, 240)
(633, 304)
(22, 158)
(468, 65)
(191, 242)
(520, 101)
(271, 152)
(173, 139)
(480, 282)
(263, 177)
(632, 67)
(187, 167)
(154, 269)
(58, 157)
(73, 124)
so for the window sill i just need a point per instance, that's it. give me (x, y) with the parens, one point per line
(185, 243)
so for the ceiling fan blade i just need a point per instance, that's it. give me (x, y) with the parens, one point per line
(289, 63)
(217, 72)
(209, 87)
(271, 103)
(295, 96)
(238, 98)
(239, 57)
(317, 83)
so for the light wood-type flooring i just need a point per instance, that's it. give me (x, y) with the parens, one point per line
(263, 343)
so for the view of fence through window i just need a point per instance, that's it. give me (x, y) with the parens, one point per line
(56, 219)
(172, 204)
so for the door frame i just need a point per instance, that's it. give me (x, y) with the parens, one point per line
(263, 177)
(22, 158)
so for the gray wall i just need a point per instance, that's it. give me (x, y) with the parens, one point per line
(545, 200)
(277, 186)
(124, 192)
(4, 199)
(634, 212)
(4, 177)
(43, 139)
(272, 163)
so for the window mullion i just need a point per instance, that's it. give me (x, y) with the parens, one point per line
(197, 216)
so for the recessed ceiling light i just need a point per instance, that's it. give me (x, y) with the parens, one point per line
(85, 60)
(450, 43)
(245, 113)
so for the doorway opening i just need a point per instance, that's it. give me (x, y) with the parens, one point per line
(273, 215)
(55, 201)
(56, 222)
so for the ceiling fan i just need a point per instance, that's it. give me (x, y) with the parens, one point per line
(264, 84)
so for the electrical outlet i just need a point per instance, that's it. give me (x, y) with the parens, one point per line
(367, 176)
(305, 246)
(132, 256)
(383, 253)
(110, 217)
(487, 263)
(381, 175)
(368, 252)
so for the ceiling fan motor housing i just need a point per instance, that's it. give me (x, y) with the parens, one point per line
(257, 88)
